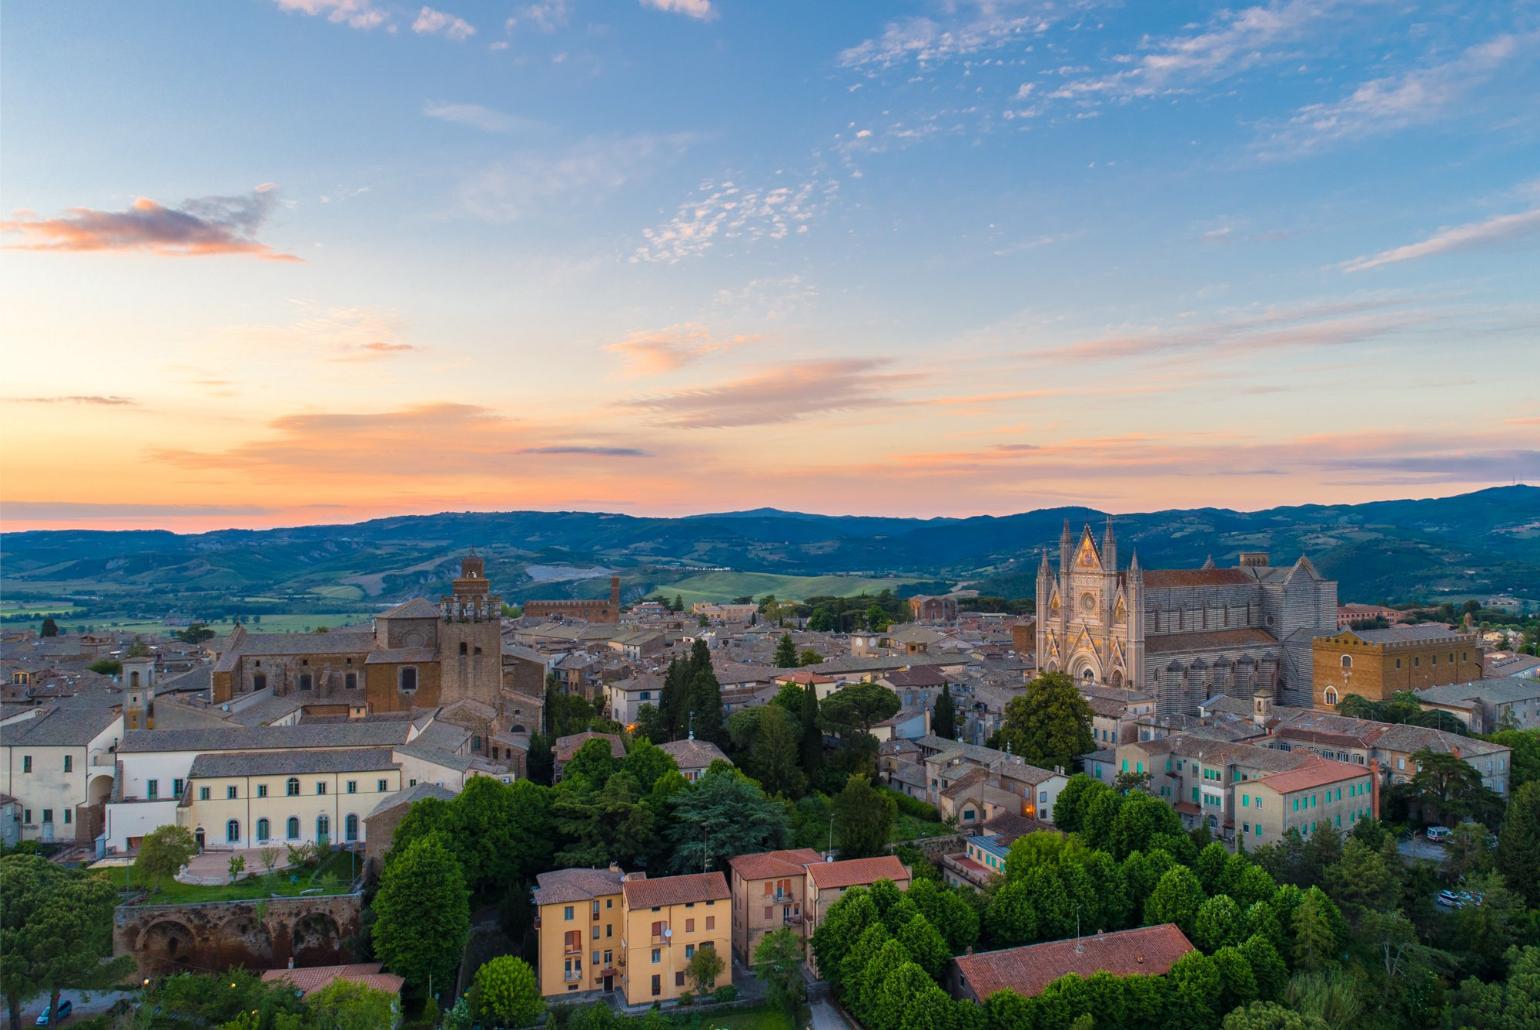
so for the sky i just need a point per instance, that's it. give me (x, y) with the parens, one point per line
(277, 262)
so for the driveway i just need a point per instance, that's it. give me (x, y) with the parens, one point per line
(825, 1015)
(1420, 848)
(100, 1002)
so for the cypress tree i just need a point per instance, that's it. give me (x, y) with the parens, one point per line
(811, 744)
(943, 721)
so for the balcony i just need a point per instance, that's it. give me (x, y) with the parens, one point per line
(660, 940)
(572, 976)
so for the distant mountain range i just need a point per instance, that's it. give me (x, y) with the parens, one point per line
(1386, 551)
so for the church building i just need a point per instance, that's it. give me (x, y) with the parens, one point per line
(418, 655)
(1181, 634)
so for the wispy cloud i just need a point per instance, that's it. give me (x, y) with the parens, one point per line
(96, 400)
(71, 511)
(358, 14)
(1499, 229)
(1394, 102)
(431, 22)
(727, 211)
(785, 393)
(196, 228)
(475, 116)
(531, 183)
(656, 351)
(962, 29)
(374, 350)
(334, 333)
(598, 452)
(698, 9)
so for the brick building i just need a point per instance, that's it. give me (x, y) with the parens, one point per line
(1377, 663)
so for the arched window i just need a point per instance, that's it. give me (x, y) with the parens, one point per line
(264, 829)
(408, 679)
(293, 827)
(323, 827)
(1330, 697)
(351, 826)
(292, 788)
(233, 831)
(133, 678)
(1347, 661)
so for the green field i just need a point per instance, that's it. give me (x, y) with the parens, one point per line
(333, 876)
(302, 623)
(724, 586)
(36, 608)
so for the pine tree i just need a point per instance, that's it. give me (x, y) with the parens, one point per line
(50, 628)
(810, 746)
(786, 653)
(943, 721)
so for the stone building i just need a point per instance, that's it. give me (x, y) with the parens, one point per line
(418, 655)
(589, 611)
(1180, 634)
(1376, 663)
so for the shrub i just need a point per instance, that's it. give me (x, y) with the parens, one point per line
(687, 998)
(727, 992)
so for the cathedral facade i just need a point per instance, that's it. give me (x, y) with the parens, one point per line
(418, 655)
(1181, 634)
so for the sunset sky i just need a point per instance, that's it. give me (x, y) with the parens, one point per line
(270, 262)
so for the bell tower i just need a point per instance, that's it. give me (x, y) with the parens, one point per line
(470, 636)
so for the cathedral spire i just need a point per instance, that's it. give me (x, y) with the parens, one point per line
(1109, 548)
(1066, 549)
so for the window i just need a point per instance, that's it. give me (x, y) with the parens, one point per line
(596, 931)
(352, 786)
(264, 829)
(351, 828)
(1259, 829)
(69, 763)
(26, 816)
(1347, 661)
(47, 815)
(291, 788)
(678, 979)
(689, 951)
(350, 681)
(1330, 696)
(657, 985)
(408, 679)
(382, 785)
(152, 789)
(306, 681)
(261, 790)
(233, 831)
(320, 787)
(203, 793)
(323, 827)
(566, 913)
(66, 817)
(176, 788)
(689, 927)
(26, 763)
(293, 827)
(231, 793)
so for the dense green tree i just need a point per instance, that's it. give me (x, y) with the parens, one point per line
(943, 718)
(1466, 851)
(925, 945)
(858, 707)
(772, 757)
(807, 656)
(1269, 1015)
(350, 1005)
(647, 763)
(1267, 966)
(1175, 899)
(1332, 995)
(1518, 848)
(195, 633)
(900, 989)
(55, 931)
(1361, 882)
(841, 927)
(1049, 725)
(162, 852)
(540, 764)
(785, 653)
(821, 621)
(49, 628)
(1195, 988)
(1140, 819)
(1446, 788)
(1524, 762)
(948, 912)
(1238, 982)
(500, 832)
(721, 815)
(1483, 932)
(863, 818)
(704, 967)
(703, 716)
(810, 739)
(1011, 918)
(422, 915)
(594, 762)
(1513, 1002)
(1316, 941)
(1218, 924)
(778, 964)
(215, 999)
(1069, 808)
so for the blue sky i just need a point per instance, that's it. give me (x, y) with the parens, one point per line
(924, 258)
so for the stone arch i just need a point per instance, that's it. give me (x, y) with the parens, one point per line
(1116, 679)
(99, 790)
(246, 933)
(315, 940)
(1083, 662)
(168, 945)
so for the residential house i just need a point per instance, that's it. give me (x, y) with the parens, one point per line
(666, 921)
(580, 922)
(769, 890)
(1147, 951)
(60, 767)
(1487, 705)
(694, 757)
(564, 748)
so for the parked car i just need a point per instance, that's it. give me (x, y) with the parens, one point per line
(1438, 834)
(65, 1008)
(1449, 899)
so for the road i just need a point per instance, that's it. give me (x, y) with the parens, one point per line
(1420, 848)
(100, 1002)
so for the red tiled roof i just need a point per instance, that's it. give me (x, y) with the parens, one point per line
(676, 890)
(313, 978)
(1317, 773)
(858, 871)
(766, 864)
(1149, 949)
(565, 747)
(1196, 577)
(1170, 642)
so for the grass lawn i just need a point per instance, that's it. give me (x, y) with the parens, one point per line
(909, 827)
(762, 1018)
(338, 864)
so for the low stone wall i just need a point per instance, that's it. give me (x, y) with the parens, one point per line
(258, 934)
(934, 847)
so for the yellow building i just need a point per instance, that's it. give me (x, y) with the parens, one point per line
(578, 917)
(665, 922)
(253, 798)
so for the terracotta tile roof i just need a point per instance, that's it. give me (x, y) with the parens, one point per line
(1317, 773)
(694, 754)
(565, 747)
(1160, 578)
(1167, 643)
(313, 978)
(858, 871)
(676, 890)
(416, 608)
(564, 886)
(766, 864)
(1151, 950)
